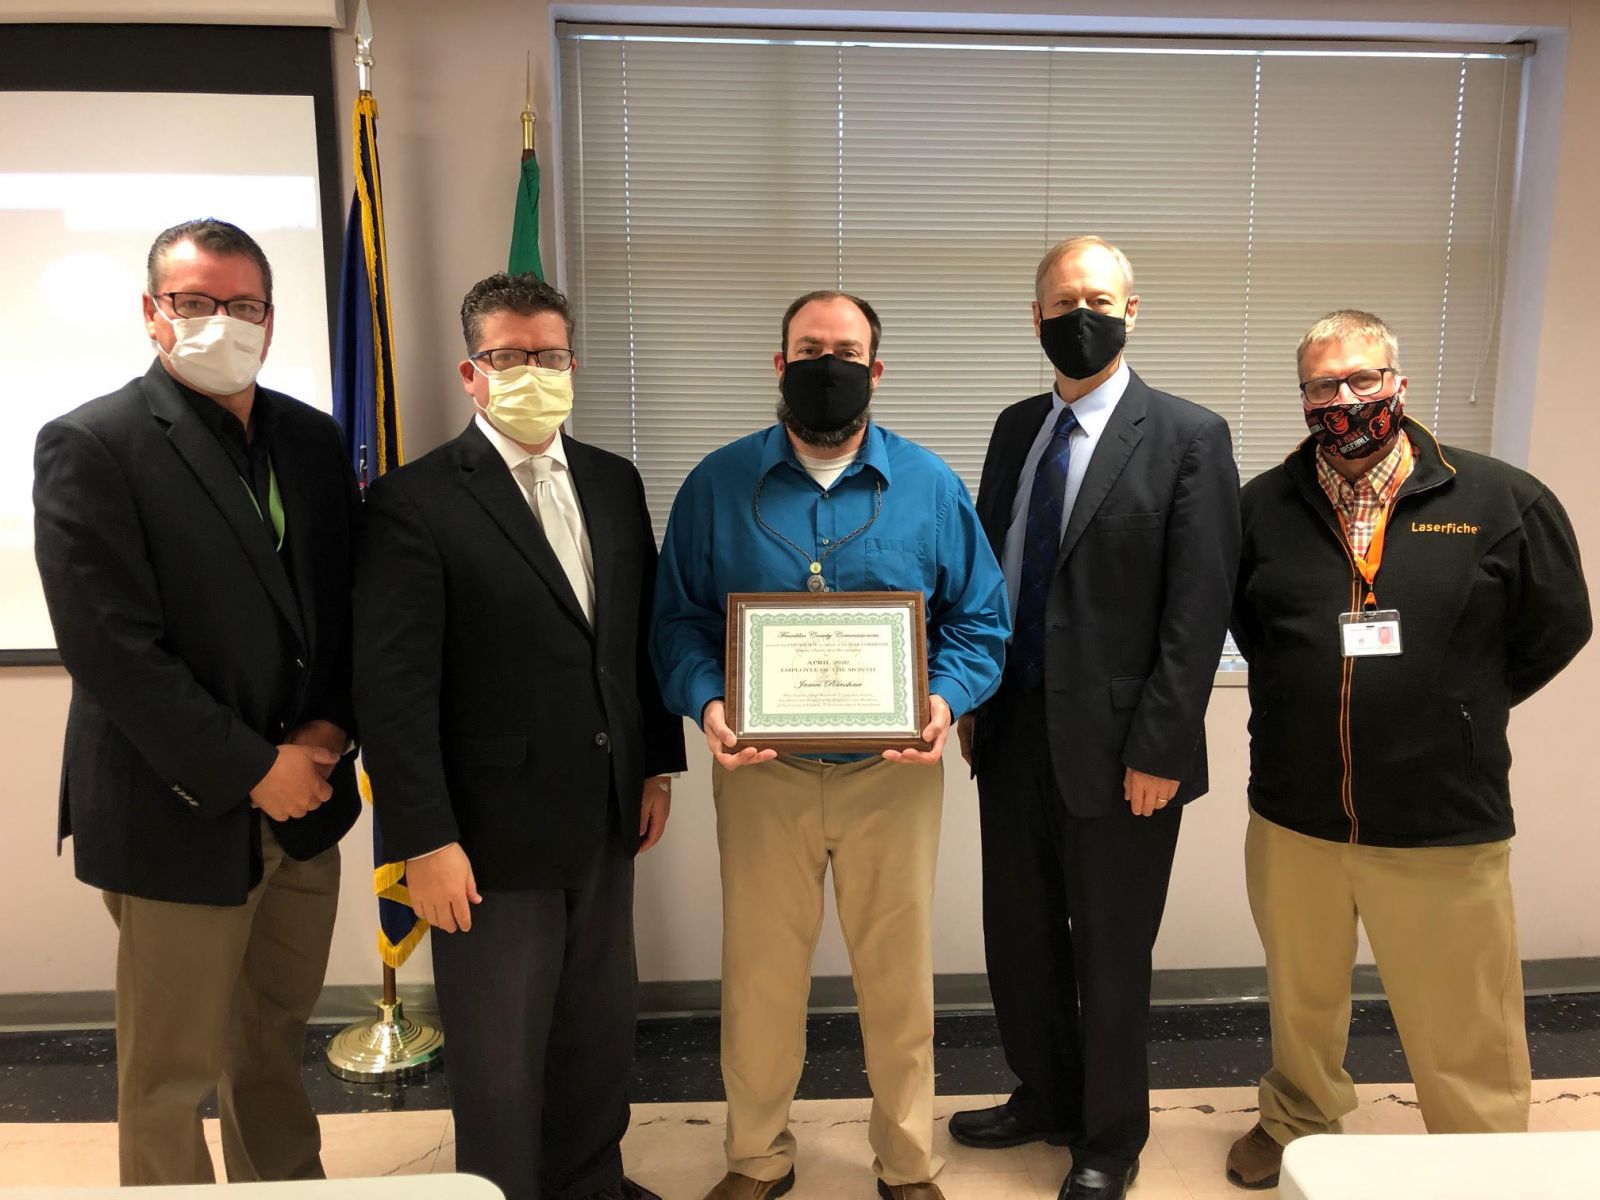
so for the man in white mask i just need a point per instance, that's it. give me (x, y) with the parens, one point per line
(194, 535)
(518, 746)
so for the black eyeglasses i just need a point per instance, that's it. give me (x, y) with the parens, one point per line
(198, 304)
(505, 358)
(1368, 381)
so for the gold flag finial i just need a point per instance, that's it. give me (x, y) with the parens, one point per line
(527, 110)
(364, 47)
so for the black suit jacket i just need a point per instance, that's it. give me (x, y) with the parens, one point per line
(1139, 604)
(193, 645)
(493, 714)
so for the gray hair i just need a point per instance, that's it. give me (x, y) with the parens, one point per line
(1350, 324)
(1073, 245)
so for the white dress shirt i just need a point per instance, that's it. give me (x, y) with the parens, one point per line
(562, 489)
(1092, 411)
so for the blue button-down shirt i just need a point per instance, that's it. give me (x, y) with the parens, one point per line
(926, 539)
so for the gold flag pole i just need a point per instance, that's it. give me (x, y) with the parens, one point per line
(393, 1046)
(528, 117)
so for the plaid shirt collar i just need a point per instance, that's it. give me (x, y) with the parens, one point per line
(1359, 504)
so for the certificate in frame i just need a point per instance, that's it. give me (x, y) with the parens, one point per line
(827, 672)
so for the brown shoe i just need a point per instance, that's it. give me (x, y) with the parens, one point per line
(909, 1191)
(735, 1186)
(1254, 1159)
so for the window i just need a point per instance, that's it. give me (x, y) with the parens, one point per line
(710, 177)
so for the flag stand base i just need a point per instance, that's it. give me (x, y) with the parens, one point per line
(393, 1047)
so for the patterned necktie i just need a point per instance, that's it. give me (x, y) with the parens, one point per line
(559, 534)
(1041, 544)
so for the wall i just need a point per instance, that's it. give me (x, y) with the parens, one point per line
(1559, 888)
(449, 81)
(197, 12)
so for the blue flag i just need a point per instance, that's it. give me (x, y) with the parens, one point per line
(365, 407)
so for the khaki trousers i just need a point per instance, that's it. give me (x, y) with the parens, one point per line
(780, 824)
(215, 998)
(1444, 935)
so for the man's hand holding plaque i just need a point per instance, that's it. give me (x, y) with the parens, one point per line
(934, 734)
(721, 740)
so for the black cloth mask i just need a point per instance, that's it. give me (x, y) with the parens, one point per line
(825, 393)
(1083, 342)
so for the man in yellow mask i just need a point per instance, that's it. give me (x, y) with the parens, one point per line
(518, 746)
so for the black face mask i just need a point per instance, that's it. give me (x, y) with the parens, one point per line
(825, 394)
(1083, 342)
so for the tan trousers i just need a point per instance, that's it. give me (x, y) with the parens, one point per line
(1444, 935)
(214, 997)
(779, 826)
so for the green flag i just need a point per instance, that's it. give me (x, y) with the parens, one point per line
(525, 222)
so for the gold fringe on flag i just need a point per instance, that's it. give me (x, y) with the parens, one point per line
(388, 883)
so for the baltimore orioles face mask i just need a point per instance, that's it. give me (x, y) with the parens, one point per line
(1356, 430)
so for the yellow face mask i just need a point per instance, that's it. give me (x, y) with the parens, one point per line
(528, 403)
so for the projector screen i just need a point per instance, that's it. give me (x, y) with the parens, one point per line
(87, 179)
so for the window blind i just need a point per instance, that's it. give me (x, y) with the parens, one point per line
(711, 176)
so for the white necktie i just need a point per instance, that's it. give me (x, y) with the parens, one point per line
(559, 534)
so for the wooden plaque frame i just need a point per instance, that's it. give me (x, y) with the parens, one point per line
(812, 741)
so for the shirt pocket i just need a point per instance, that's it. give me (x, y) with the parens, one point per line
(897, 564)
(905, 547)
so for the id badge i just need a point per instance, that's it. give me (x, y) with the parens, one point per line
(1370, 633)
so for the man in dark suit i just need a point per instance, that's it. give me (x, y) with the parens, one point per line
(194, 535)
(1114, 509)
(518, 747)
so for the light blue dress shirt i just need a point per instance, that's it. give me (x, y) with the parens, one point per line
(1092, 411)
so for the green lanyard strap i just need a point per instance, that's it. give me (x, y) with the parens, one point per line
(274, 500)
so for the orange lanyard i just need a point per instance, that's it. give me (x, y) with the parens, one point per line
(1369, 563)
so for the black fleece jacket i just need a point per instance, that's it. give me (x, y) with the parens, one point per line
(1409, 750)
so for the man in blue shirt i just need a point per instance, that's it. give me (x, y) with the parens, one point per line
(826, 494)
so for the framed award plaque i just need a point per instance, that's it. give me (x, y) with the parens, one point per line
(829, 672)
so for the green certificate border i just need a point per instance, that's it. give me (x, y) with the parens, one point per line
(900, 717)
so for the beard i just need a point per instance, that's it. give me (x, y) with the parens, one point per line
(830, 439)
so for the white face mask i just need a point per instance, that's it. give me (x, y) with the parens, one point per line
(219, 355)
(529, 403)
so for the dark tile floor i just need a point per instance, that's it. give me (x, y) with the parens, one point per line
(71, 1076)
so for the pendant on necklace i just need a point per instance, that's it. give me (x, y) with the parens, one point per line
(816, 583)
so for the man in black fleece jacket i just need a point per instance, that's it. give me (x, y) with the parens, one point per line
(1396, 597)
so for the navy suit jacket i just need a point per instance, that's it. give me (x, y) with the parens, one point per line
(1139, 603)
